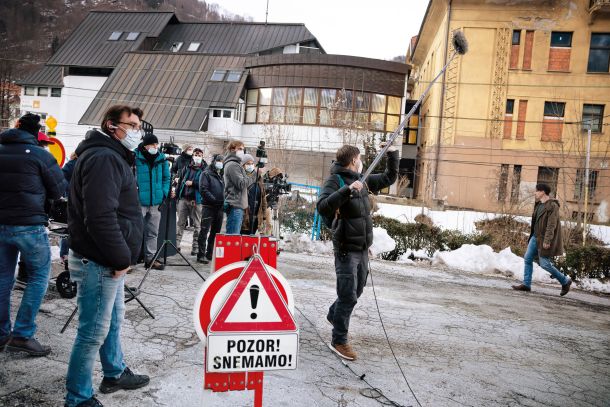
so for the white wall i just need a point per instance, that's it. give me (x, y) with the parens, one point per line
(230, 128)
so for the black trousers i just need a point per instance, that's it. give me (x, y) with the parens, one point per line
(352, 271)
(211, 223)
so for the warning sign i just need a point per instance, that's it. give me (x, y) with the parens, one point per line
(242, 353)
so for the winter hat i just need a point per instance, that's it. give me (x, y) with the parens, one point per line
(246, 158)
(150, 139)
(274, 172)
(197, 150)
(219, 157)
(186, 146)
(29, 122)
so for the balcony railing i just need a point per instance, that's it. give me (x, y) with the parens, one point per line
(599, 5)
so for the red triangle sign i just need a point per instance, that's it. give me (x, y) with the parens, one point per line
(254, 305)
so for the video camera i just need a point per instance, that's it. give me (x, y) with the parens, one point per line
(170, 148)
(274, 187)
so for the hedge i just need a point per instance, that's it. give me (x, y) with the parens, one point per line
(585, 262)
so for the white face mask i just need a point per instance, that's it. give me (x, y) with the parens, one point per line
(218, 165)
(240, 153)
(359, 166)
(153, 151)
(197, 160)
(189, 152)
(132, 139)
(250, 167)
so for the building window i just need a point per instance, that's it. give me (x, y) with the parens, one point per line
(56, 92)
(554, 109)
(115, 36)
(218, 75)
(43, 91)
(502, 187)
(222, 113)
(29, 91)
(510, 106)
(516, 37)
(226, 114)
(217, 113)
(549, 176)
(176, 46)
(599, 53)
(132, 36)
(592, 115)
(579, 186)
(561, 39)
(516, 187)
(194, 46)
(234, 76)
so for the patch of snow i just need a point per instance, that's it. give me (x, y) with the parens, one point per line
(595, 285)
(382, 242)
(483, 260)
(55, 253)
(602, 212)
(302, 243)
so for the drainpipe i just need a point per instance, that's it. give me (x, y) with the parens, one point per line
(442, 106)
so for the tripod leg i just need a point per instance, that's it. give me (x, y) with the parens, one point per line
(134, 297)
(69, 320)
(186, 260)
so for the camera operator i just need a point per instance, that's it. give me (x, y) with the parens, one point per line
(211, 187)
(29, 176)
(152, 175)
(236, 187)
(189, 199)
(257, 201)
(105, 226)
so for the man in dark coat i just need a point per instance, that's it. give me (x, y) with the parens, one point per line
(29, 176)
(211, 187)
(183, 160)
(105, 225)
(346, 199)
(545, 240)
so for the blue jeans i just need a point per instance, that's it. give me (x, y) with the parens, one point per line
(234, 220)
(545, 263)
(33, 244)
(101, 311)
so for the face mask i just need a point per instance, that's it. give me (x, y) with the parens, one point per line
(153, 151)
(218, 165)
(240, 153)
(189, 152)
(132, 139)
(250, 167)
(197, 160)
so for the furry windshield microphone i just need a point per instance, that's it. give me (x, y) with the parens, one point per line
(459, 43)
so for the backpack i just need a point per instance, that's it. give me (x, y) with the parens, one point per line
(328, 220)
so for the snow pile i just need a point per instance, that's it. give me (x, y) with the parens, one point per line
(302, 243)
(483, 260)
(382, 242)
(595, 285)
(405, 258)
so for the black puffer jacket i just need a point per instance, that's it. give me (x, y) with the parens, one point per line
(29, 176)
(353, 230)
(212, 188)
(104, 216)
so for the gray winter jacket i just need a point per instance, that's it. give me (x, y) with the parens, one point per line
(236, 182)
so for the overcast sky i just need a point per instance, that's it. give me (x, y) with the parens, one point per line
(374, 29)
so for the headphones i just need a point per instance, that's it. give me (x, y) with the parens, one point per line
(112, 126)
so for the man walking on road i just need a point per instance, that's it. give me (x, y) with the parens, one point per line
(545, 240)
(346, 200)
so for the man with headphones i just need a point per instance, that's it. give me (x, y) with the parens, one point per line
(106, 231)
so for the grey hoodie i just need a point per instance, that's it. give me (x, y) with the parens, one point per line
(236, 182)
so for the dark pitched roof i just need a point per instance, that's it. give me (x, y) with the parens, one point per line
(174, 90)
(233, 38)
(88, 45)
(47, 76)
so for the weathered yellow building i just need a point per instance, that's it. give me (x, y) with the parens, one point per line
(514, 110)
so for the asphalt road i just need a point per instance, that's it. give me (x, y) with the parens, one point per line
(461, 339)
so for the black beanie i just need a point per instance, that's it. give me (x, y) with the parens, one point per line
(31, 123)
(150, 139)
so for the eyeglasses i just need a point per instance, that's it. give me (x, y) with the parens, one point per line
(132, 125)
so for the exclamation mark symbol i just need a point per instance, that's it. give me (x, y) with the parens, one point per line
(253, 299)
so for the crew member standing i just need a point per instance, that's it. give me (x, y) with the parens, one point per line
(211, 187)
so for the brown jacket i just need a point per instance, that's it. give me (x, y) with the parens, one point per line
(547, 229)
(261, 216)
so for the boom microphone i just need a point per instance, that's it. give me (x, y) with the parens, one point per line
(460, 44)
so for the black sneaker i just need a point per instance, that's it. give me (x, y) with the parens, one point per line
(202, 260)
(92, 402)
(127, 381)
(565, 288)
(194, 252)
(31, 346)
(4, 341)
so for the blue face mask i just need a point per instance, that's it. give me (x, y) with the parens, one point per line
(219, 165)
